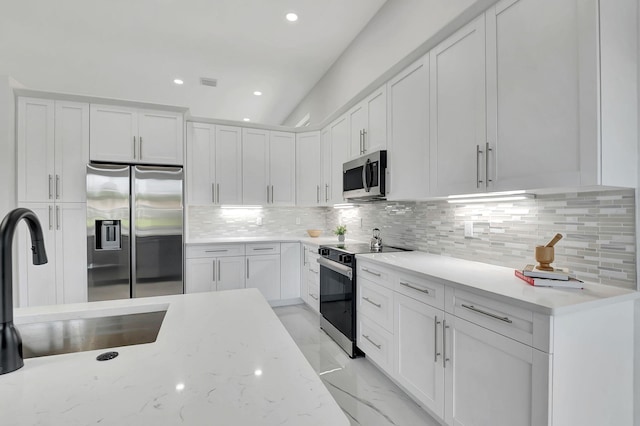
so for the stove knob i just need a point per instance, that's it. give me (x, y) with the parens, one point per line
(324, 251)
(345, 258)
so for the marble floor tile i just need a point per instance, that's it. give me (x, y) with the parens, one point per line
(363, 392)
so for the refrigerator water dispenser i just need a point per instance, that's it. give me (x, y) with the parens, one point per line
(108, 235)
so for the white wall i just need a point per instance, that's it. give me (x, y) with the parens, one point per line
(399, 33)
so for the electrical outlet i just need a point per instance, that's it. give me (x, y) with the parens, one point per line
(259, 221)
(468, 229)
(297, 221)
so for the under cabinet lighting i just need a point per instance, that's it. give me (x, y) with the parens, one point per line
(178, 81)
(489, 197)
(291, 17)
(344, 206)
(257, 93)
(246, 119)
(231, 206)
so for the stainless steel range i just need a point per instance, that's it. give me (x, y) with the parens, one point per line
(338, 291)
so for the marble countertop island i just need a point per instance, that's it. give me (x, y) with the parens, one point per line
(220, 358)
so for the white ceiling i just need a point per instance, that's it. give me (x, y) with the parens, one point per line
(133, 49)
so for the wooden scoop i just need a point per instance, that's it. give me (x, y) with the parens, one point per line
(555, 239)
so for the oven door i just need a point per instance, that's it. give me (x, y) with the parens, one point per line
(337, 296)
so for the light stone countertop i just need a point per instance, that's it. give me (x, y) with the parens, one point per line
(220, 358)
(305, 239)
(501, 282)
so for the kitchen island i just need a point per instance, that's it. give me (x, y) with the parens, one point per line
(220, 358)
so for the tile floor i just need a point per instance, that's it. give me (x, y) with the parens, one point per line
(366, 395)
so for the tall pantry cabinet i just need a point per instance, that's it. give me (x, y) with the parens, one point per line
(53, 151)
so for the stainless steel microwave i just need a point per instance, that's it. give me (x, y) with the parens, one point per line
(365, 177)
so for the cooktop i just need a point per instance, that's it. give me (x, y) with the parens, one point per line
(360, 248)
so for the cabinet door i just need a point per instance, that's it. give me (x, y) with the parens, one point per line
(161, 137)
(458, 117)
(375, 137)
(201, 189)
(230, 273)
(113, 134)
(357, 119)
(282, 168)
(308, 163)
(409, 132)
(37, 283)
(534, 88)
(289, 270)
(71, 252)
(326, 185)
(255, 170)
(418, 362)
(339, 154)
(491, 379)
(228, 165)
(304, 283)
(35, 150)
(71, 151)
(263, 273)
(200, 275)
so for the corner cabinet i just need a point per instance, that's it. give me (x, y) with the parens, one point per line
(130, 135)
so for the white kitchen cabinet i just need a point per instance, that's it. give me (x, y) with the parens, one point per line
(263, 273)
(309, 188)
(335, 153)
(408, 142)
(268, 167)
(491, 379)
(418, 351)
(326, 184)
(290, 273)
(458, 112)
(64, 278)
(310, 287)
(214, 274)
(130, 135)
(214, 164)
(368, 124)
(53, 150)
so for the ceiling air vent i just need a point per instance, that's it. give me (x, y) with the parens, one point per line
(212, 82)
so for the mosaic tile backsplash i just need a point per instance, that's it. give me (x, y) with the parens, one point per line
(598, 229)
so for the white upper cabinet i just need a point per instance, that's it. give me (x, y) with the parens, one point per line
(458, 112)
(214, 164)
(129, 135)
(408, 142)
(268, 167)
(309, 191)
(53, 150)
(338, 152)
(326, 185)
(368, 124)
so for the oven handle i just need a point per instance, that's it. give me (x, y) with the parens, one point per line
(336, 267)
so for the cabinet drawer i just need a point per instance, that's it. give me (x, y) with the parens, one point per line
(266, 248)
(373, 272)
(314, 272)
(314, 295)
(376, 302)
(214, 250)
(419, 288)
(503, 318)
(376, 343)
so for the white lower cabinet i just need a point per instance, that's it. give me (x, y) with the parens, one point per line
(263, 273)
(214, 274)
(310, 285)
(289, 271)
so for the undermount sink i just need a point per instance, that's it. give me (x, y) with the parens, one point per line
(69, 335)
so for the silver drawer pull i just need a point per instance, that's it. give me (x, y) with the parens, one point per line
(314, 271)
(216, 251)
(371, 272)
(424, 290)
(313, 296)
(372, 342)
(372, 302)
(262, 248)
(489, 314)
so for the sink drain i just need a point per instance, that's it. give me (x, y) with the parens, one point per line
(107, 356)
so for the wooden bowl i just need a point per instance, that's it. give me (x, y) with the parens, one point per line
(314, 232)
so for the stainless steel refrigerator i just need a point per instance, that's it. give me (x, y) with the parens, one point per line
(134, 231)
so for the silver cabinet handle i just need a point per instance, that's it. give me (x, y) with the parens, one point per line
(134, 147)
(213, 193)
(371, 272)
(478, 152)
(313, 296)
(424, 290)
(247, 268)
(218, 192)
(140, 147)
(371, 341)
(487, 150)
(444, 344)
(219, 270)
(214, 271)
(50, 187)
(262, 248)
(318, 193)
(267, 194)
(372, 302)
(272, 194)
(360, 142)
(489, 314)
(57, 187)
(436, 354)
(326, 192)
(216, 251)
(50, 218)
(364, 141)
(58, 218)
(304, 258)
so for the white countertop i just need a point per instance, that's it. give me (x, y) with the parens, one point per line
(501, 282)
(275, 239)
(212, 343)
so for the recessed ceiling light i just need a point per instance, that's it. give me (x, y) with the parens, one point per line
(246, 119)
(178, 81)
(257, 93)
(291, 17)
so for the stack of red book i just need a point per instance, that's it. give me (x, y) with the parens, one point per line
(559, 277)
